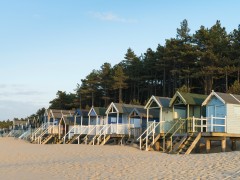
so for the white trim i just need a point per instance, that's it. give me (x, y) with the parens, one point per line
(135, 110)
(205, 102)
(177, 94)
(92, 108)
(150, 101)
(235, 98)
(110, 107)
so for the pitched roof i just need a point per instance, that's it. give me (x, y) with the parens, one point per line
(189, 98)
(100, 111)
(126, 108)
(226, 98)
(123, 108)
(142, 112)
(56, 113)
(81, 112)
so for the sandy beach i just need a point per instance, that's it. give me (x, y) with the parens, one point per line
(22, 160)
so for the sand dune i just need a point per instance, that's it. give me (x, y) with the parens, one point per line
(22, 160)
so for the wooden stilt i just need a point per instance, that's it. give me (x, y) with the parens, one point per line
(197, 147)
(208, 145)
(223, 145)
(169, 143)
(234, 145)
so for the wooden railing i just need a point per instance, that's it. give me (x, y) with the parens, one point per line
(172, 131)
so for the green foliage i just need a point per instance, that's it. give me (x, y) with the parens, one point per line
(234, 88)
(63, 101)
(184, 89)
(5, 124)
(119, 79)
(135, 102)
(208, 59)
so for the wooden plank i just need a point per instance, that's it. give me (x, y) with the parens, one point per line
(177, 145)
(193, 144)
(235, 138)
(215, 138)
(211, 134)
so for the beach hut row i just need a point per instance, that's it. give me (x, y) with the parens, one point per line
(169, 124)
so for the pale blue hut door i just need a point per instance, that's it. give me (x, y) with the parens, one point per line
(220, 114)
(210, 112)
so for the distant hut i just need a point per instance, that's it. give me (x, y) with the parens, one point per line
(118, 117)
(97, 116)
(159, 105)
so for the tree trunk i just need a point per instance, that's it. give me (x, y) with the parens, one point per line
(120, 95)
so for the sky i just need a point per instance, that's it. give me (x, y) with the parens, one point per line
(50, 45)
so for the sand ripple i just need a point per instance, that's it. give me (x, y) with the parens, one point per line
(22, 160)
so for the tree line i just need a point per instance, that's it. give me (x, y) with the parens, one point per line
(208, 59)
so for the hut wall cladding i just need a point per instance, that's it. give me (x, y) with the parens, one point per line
(233, 118)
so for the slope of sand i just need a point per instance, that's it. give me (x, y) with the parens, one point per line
(22, 160)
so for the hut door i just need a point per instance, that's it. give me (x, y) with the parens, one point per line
(220, 113)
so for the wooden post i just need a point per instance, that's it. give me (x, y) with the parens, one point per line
(169, 142)
(234, 145)
(223, 145)
(194, 130)
(208, 145)
(197, 147)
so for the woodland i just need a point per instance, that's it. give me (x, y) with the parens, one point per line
(208, 59)
(199, 62)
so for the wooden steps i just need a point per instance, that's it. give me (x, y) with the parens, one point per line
(187, 144)
(103, 142)
(47, 139)
(72, 139)
(150, 143)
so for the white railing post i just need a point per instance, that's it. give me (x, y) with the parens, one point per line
(225, 123)
(153, 131)
(211, 123)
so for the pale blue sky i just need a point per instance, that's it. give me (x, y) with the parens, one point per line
(50, 45)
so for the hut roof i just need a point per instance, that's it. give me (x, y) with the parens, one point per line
(20, 122)
(81, 112)
(57, 114)
(188, 98)
(226, 98)
(161, 101)
(100, 111)
(153, 113)
(123, 108)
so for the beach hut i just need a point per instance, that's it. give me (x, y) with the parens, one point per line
(138, 117)
(164, 112)
(159, 117)
(222, 112)
(118, 117)
(186, 106)
(97, 116)
(78, 126)
(57, 125)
